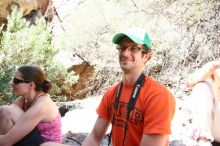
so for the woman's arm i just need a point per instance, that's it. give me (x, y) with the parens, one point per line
(202, 74)
(26, 123)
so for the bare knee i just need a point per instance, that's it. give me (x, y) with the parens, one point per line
(16, 112)
(4, 111)
(6, 121)
(9, 115)
(202, 85)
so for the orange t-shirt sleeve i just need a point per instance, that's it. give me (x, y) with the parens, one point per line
(159, 112)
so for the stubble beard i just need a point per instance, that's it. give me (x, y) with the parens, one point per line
(126, 68)
(126, 64)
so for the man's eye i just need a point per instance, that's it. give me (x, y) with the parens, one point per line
(131, 49)
(120, 48)
(135, 49)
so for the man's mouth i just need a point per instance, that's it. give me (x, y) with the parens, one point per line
(125, 59)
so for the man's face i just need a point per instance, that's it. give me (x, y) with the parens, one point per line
(131, 57)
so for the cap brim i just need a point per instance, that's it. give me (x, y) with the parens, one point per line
(116, 39)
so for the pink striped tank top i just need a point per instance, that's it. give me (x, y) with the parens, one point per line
(51, 131)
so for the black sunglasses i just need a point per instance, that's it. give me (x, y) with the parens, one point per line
(17, 81)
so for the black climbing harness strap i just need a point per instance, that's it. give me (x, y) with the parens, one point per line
(131, 103)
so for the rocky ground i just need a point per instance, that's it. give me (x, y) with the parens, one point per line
(80, 118)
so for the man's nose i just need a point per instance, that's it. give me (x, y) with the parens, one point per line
(126, 50)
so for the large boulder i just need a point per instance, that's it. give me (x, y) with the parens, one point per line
(86, 73)
(27, 5)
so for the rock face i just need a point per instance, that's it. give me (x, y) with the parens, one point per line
(85, 72)
(6, 5)
(27, 5)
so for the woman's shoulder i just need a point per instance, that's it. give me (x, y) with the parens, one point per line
(47, 107)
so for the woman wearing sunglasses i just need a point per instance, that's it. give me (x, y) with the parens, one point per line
(33, 118)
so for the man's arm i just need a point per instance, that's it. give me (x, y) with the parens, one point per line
(154, 140)
(203, 73)
(97, 133)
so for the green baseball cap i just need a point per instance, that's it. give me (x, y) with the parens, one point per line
(138, 36)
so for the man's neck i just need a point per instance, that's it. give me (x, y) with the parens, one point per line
(130, 78)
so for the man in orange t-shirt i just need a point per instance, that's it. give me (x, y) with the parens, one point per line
(146, 121)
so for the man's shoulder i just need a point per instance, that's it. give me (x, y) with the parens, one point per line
(149, 81)
(152, 84)
(112, 88)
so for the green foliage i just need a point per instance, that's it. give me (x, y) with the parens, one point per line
(23, 43)
(62, 79)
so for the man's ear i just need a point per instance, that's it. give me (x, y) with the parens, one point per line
(149, 54)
